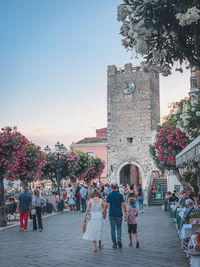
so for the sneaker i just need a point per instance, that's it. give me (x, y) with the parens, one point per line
(21, 229)
(119, 243)
(142, 211)
(25, 230)
(137, 245)
(114, 246)
(40, 230)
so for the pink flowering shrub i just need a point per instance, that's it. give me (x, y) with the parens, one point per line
(95, 170)
(29, 165)
(13, 147)
(169, 142)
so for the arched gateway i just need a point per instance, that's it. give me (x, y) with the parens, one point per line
(133, 112)
(129, 172)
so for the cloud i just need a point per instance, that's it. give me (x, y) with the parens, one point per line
(41, 130)
(42, 136)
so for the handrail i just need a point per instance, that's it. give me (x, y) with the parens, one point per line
(148, 186)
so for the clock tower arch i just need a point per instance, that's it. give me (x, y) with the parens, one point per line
(133, 112)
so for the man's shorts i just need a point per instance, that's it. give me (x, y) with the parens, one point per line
(132, 228)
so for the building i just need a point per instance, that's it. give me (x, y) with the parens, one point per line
(133, 112)
(95, 147)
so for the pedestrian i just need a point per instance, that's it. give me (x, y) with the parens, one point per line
(38, 202)
(132, 213)
(94, 227)
(71, 200)
(116, 202)
(78, 197)
(83, 193)
(24, 206)
(140, 198)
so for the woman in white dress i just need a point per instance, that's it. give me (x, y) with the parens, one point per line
(94, 227)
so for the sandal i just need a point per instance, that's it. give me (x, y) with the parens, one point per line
(130, 244)
(101, 246)
(95, 249)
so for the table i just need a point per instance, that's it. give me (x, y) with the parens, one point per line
(179, 217)
(186, 233)
(172, 210)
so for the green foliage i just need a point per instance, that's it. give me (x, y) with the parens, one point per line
(191, 178)
(157, 31)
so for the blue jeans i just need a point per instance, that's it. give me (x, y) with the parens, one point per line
(116, 221)
(83, 203)
(140, 202)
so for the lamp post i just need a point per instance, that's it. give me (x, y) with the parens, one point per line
(47, 150)
(60, 149)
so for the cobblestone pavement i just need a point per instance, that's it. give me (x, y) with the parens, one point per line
(60, 244)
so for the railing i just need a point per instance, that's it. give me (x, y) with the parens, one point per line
(147, 189)
(189, 154)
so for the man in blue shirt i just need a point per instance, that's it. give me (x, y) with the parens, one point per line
(24, 205)
(182, 201)
(116, 202)
(83, 193)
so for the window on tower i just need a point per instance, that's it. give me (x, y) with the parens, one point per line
(129, 140)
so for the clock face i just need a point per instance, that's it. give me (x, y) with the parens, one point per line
(128, 87)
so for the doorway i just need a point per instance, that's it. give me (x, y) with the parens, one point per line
(130, 174)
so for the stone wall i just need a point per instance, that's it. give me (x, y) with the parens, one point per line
(133, 116)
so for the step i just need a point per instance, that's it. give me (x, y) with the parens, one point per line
(155, 204)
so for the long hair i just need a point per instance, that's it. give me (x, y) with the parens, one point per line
(37, 192)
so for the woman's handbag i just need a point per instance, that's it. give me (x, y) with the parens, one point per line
(33, 212)
(84, 227)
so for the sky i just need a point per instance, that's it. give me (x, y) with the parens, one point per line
(53, 60)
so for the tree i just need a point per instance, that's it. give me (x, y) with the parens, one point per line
(49, 168)
(29, 165)
(84, 163)
(95, 170)
(13, 145)
(169, 142)
(162, 32)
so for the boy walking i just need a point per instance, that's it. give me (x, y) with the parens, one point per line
(131, 220)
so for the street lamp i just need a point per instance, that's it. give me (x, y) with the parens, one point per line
(57, 147)
(47, 150)
(60, 149)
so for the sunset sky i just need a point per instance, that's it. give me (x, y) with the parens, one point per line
(54, 56)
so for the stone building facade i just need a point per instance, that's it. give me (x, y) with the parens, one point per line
(133, 112)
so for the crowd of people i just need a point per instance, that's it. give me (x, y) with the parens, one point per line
(189, 206)
(117, 198)
(188, 201)
(77, 197)
(94, 201)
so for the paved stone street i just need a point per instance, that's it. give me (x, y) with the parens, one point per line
(60, 244)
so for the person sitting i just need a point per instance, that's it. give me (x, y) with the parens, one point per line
(173, 199)
(159, 190)
(153, 191)
(182, 201)
(194, 247)
(11, 208)
(190, 210)
(168, 195)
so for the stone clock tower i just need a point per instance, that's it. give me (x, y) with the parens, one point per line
(133, 112)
